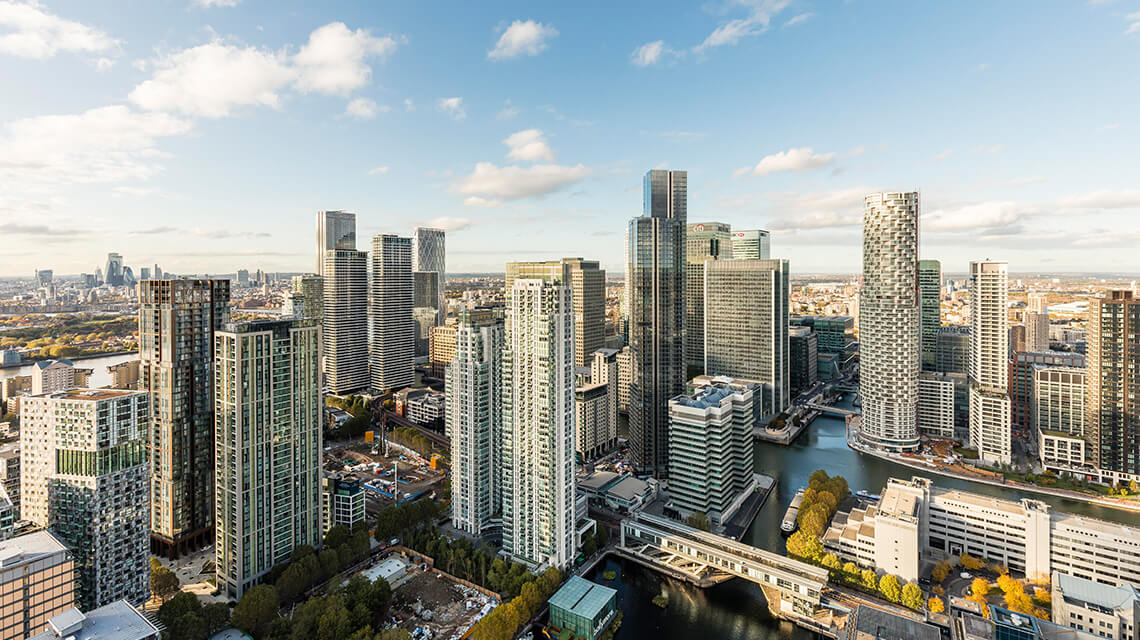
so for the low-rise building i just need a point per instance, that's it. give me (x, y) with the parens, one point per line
(872, 623)
(49, 376)
(584, 608)
(426, 409)
(624, 494)
(342, 501)
(38, 575)
(1101, 609)
(114, 621)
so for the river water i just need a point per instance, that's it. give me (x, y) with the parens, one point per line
(736, 609)
(99, 378)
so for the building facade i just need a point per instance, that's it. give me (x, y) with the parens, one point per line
(1037, 323)
(889, 328)
(346, 320)
(803, 358)
(269, 438)
(312, 290)
(441, 349)
(952, 351)
(342, 501)
(703, 241)
(1100, 609)
(1113, 382)
(393, 332)
(751, 244)
(588, 284)
(336, 231)
(936, 404)
(429, 255)
(1022, 365)
(49, 376)
(930, 310)
(990, 430)
(38, 578)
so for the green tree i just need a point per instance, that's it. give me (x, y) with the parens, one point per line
(216, 617)
(163, 582)
(180, 605)
(889, 587)
(699, 520)
(912, 596)
(257, 609)
(189, 626)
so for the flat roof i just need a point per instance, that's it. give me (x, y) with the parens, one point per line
(582, 597)
(896, 502)
(628, 488)
(1093, 592)
(90, 394)
(36, 543)
(876, 624)
(597, 480)
(115, 621)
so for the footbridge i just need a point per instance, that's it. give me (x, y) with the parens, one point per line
(794, 590)
(839, 412)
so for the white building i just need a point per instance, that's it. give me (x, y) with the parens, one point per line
(936, 404)
(538, 424)
(474, 418)
(393, 331)
(889, 332)
(267, 424)
(990, 431)
(624, 373)
(84, 474)
(49, 376)
(345, 325)
(1059, 416)
(1100, 609)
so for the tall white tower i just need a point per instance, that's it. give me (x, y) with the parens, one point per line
(538, 423)
(889, 340)
(345, 323)
(989, 362)
(393, 330)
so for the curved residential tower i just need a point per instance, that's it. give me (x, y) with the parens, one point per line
(889, 339)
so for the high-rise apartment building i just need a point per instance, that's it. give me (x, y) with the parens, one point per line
(605, 369)
(84, 475)
(1113, 382)
(751, 244)
(625, 374)
(393, 330)
(1022, 368)
(889, 336)
(441, 349)
(49, 376)
(177, 321)
(346, 320)
(474, 422)
(1059, 416)
(990, 431)
(38, 577)
(1037, 323)
(588, 284)
(930, 310)
(703, 241)
(268, 424)
(538, 424)
(336, 230)
(429, 255)
(656, 283)
(746, 327)
(312, 289)
(936, 404)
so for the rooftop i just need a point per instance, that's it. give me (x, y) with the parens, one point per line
(875, 624)
(115, 621)
(90, 394)
(896, 502)
(1096, 593)
(582, 597)
(28, 546)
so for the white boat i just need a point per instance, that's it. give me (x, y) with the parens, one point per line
(867, 495)
(788, 525)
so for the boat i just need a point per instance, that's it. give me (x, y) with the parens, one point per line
(867, 495)
(788, 525)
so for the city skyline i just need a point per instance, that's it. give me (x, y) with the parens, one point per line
(534, 160)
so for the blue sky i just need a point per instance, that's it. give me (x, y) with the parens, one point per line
(204, 134)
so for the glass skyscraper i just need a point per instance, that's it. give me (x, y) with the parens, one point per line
(703, 240)
(335, 230)
(930, 310)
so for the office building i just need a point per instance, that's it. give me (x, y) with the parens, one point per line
(703, 241)
(441, 349)
(425, 307)
(1113, 382)
(869, 622)
(474, 422)
(538, 424)
(49, 376)
(587, 282)
(656, 278)
(990, 431)
(916, 522)
(711, 448)
(393, 331)
(84, 475)
(936, 404)
(268, 421)
(952, 350)
(242, 278)
(583, 608)
(746, 326)
(177, 321)
(312, 290)
(803, 358)
(889, 332)
(342, 501)
(1022, 365)
(43, 278)
(429, 255)
(595, 432)
(38, 577)
(1059, 417)
(336, 231)
(1104, 610)
(625, 374)
(113, 276)
(427, 409)
(930, 310)
(751, 244)
(346, 320)
(835, 333)
(114, 621)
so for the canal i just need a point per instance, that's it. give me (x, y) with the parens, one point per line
(736, 609)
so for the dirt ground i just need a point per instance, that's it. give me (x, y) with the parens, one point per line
(453, 607)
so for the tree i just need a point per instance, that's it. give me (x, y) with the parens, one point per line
(889, 587)
(935, 605)
(1042, 597)
(851, 569)
(699, 520)
(870, 580)
(163, 582)
(216, 617)
(814, 519)
(912, 596)
(804, 545)
(1008, 584)
(181, 604)
(941, 571)
(257, 609)
(970, 562)
(831, 561)
(980, 587)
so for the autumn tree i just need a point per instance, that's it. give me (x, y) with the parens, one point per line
(935, 605)
(912, 596)
(890, 588)
(941, 571)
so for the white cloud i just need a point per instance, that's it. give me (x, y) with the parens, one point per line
(34, 33)
(977, 216)
(522, 38)
(216, 3)
(449, 224)
(491, 182)
(378, 171)
(1122, 199)
(362, 108)
(476, 201)
(1133, 23)
(529, 146)
(452, 107)
(824, 210)
(650, 53)
(760, 14)
(332, 62)
(799, 159)
(798, 19)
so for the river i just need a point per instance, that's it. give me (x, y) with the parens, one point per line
(736, 609)
(100, 377)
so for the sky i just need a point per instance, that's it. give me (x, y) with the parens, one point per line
(203, 135)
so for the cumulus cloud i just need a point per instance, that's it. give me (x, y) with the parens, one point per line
(976, 216)
(759, 16)
(799, 159)
(32, 32)
(333, 61)
(492, 182)
(527, 38)
(361, 108)
(651, 53)
(378, 171)
(449, 224)
(529, 146)
(452, 107)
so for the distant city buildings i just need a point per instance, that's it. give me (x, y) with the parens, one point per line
(312, 290)
(113, 275)
(429, 255)
(990, 431)
(1037, 323)
(392, 360)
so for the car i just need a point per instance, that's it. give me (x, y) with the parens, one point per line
(965, 576)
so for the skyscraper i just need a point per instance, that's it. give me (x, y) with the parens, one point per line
(703, 240)
(657, 316)
(1037, 323)
(177, 321)
(84, 475)
(474, 417)
(751, 244)
(1113, 382)
(889, 340)
(930, 310)
(588, 284)
(429, 254)
(746, 327)
(312, 290)
(113, 275)
(538, 424)
(346, 320)
(336, 230)
(989, 362)
(268, 422)
(393, 331)
(425, 307)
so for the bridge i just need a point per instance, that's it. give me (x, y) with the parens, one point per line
(794, 589)
(839, 412)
